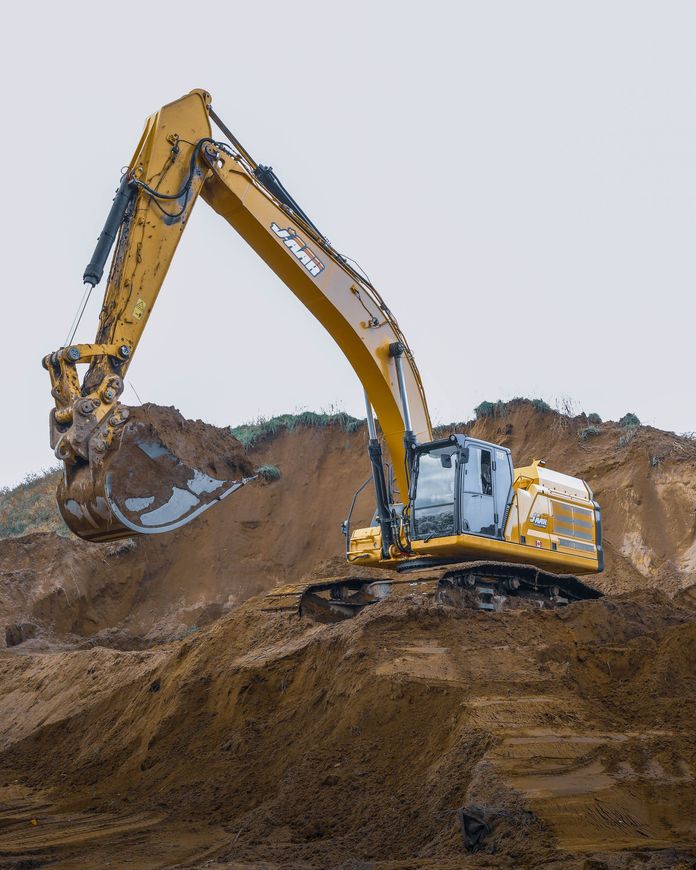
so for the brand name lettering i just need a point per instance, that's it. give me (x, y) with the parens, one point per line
(297, 246)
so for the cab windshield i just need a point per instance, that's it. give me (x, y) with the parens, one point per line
(433, 505)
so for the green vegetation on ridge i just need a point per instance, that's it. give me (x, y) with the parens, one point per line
(500, 408)
(31, 506)
(250, 434)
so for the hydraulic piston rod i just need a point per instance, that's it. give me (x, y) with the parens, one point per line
(105, 242)
(374, 450)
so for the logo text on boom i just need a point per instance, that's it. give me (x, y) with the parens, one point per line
(297, 245)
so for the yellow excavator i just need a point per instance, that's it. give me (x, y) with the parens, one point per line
(452, 515)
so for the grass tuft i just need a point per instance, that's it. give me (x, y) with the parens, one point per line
(629, 420)
(269, 472)
(491, 409)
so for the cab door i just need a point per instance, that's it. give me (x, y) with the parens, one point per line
(477, 498)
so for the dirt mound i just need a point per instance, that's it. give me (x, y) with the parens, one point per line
(269, 741)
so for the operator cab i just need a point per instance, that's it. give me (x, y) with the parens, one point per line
(460, 485)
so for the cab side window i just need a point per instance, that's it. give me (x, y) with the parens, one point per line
(486, 473)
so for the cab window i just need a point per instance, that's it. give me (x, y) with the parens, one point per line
(433, 505)
(478, 472)
(486, 473)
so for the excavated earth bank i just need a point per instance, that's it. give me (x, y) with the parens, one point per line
(152, 715)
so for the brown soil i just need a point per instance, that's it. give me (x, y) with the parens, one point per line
(261, 740)
(196, 444)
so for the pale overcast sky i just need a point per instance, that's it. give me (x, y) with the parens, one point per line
(517, 178)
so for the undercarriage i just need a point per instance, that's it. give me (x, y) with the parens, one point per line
(490, 586)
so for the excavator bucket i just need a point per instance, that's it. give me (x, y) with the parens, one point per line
(161, 473)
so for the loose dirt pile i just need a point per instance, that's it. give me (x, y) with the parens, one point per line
(258, 740)
(186, 445)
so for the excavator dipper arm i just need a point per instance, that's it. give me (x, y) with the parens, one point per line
(103, 495)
